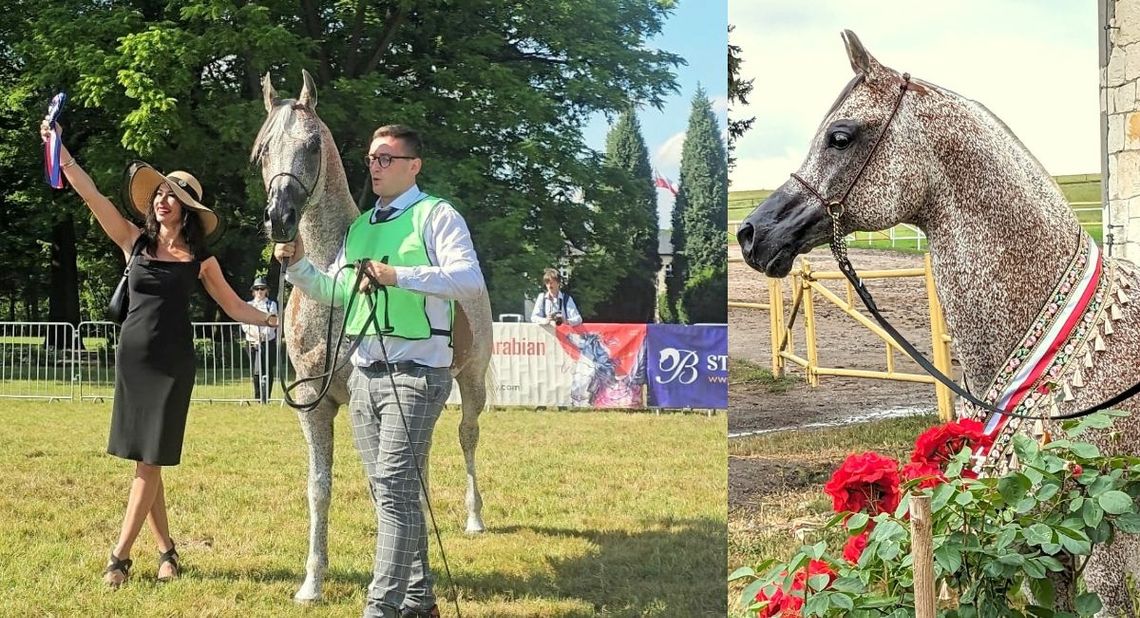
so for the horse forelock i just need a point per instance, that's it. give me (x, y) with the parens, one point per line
(288, 121)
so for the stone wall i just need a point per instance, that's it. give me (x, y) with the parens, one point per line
(1120, 72)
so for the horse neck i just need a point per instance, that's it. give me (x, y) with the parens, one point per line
(1001, 236)
(324, 222)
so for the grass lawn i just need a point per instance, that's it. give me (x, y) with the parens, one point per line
(588, 514)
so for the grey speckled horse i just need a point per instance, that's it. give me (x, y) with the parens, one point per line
(1002, 237)
(315, 202)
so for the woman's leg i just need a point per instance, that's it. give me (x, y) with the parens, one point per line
(160, 527)
(144, 488)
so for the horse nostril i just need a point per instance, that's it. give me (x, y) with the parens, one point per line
(744, 236)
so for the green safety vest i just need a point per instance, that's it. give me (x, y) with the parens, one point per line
(399, 241)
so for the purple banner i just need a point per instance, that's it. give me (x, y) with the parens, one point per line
(687, 366)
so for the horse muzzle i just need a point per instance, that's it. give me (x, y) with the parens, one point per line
(780, 228)
(281, 221)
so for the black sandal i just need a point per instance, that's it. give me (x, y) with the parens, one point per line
(123, 566)
(170, 556)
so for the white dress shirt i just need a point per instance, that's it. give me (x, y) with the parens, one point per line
(257, 334)
(454, 275)
(546, 305)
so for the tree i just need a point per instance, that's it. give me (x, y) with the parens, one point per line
(700, 220)
(499, 90)
(635, 211)
(738, 91)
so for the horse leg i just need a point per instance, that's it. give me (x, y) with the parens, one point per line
(1112, 572)
(473, 393)
(317, 426)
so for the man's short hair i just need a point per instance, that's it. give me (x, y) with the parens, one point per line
(551, 274)
(407, 135)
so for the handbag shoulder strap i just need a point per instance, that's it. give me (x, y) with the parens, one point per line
(135, 251)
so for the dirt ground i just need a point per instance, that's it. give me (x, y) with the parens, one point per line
(842, 343)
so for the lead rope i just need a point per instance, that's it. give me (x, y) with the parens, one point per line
(327, 377)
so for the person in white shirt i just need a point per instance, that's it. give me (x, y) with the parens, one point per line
(553, 307)
(262, 342)
(419, 248)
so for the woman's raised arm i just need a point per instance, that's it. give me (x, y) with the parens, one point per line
(117, 227)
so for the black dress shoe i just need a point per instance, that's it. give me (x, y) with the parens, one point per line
(418, 612)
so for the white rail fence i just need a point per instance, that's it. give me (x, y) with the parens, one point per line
(58, 361)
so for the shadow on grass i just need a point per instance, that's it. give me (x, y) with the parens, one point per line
(674, 568)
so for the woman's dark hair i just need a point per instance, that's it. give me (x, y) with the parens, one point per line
(192, 231)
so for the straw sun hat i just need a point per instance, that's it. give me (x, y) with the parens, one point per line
(143, 181)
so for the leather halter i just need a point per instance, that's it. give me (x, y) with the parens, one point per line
(835, 206)
(838, 243)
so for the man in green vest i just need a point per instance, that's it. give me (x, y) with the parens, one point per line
(419, 248)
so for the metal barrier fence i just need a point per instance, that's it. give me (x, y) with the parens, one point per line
(58, 361)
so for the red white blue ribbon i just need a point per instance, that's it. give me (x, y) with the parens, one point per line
(1032, 372)
(53, 173)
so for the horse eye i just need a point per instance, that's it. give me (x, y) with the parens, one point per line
(839, 140)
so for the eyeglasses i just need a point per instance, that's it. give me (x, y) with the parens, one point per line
(385, 160)
(260, 289)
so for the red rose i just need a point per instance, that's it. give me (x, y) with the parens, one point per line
(931, 475)
(1077, 470)
(784, 605)
(855, 546)
(868, 482)
(938, 445)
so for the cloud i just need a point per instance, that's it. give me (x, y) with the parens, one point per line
(719, 106)
(666, 157)
(1039, 77)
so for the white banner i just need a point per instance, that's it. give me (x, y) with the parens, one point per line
(533, 368)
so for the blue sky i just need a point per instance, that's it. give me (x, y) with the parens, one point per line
(697, 32)
(1033, 63)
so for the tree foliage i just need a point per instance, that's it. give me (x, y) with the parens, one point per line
(634, 212)
(500, 90)
(738, 91)
(700, 221)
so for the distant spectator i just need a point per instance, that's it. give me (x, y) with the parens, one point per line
(554, 307)
(262, 342)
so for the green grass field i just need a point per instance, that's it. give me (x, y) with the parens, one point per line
(1078, 189)
(588, 514)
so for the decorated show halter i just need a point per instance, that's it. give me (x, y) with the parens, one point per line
(1061, 339)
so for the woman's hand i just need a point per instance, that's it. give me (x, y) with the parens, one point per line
(45, 130)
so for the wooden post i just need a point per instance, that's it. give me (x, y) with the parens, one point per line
(922, 552)
(809, 324)
(939, 346)
(776, 324)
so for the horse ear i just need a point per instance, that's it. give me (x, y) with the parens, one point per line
(862, 62)
(308, 96)
(267, 92)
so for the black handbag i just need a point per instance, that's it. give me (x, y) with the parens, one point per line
(121, 298)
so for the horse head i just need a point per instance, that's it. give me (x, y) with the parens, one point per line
(290, 151)
(865, 163)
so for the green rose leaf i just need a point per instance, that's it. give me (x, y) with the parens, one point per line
(1115, 502)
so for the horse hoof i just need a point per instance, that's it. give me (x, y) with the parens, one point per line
(475, 525)
(308, 593)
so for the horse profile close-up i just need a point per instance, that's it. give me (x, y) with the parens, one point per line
(1012, 266)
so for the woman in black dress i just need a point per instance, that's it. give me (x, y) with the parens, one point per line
(155, 359)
